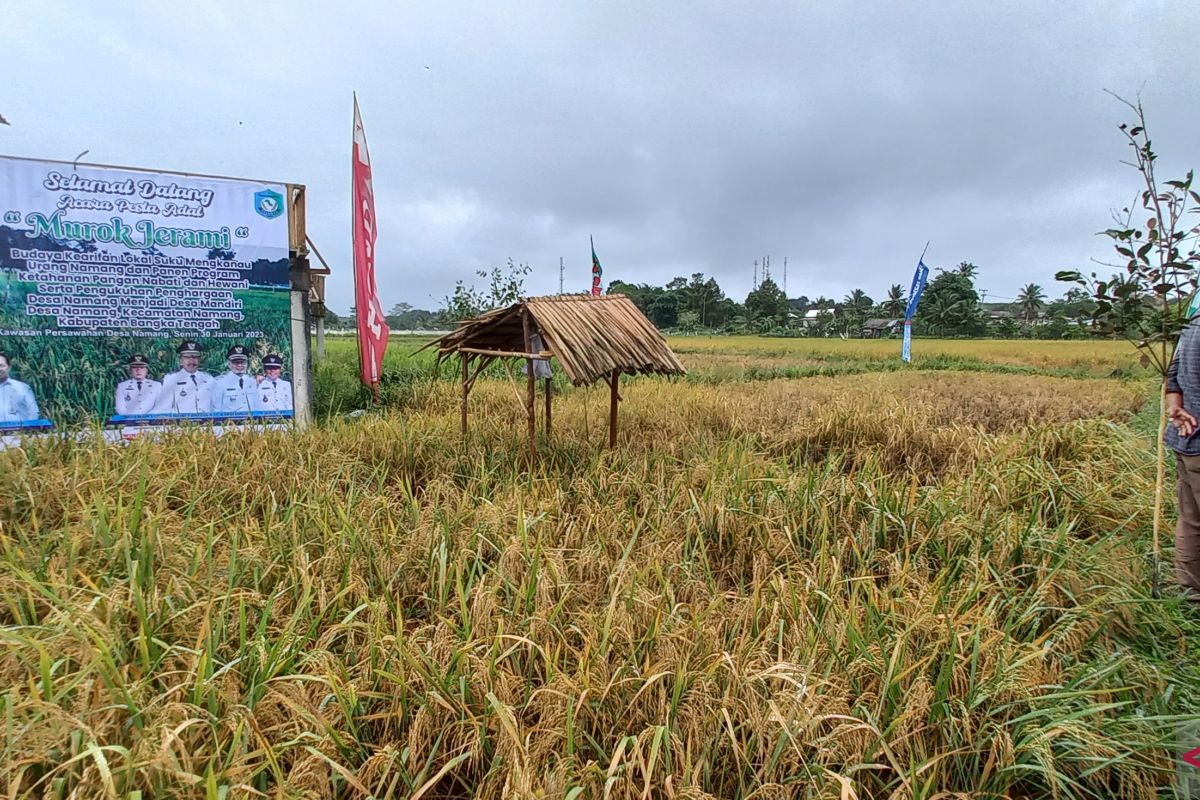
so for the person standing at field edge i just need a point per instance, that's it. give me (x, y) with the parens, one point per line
(187, 391)
(138, 394)
(234, 390)
(17, 403)
(273, 392)
(1183, 405)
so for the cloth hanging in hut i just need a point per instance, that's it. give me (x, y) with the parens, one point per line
(541, 366)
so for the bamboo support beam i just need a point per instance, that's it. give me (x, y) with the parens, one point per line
(480, 366)
(504, 353)
(549, 394)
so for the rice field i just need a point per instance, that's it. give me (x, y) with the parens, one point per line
(855, 581)
(721, 358)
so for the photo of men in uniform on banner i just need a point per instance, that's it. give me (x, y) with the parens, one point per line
(187, 390)
(232, 391)
(273, 392)
(138, 394)
(191, 392)
(250, 390)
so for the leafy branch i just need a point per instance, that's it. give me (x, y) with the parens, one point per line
(1147, 302)
(505, 287)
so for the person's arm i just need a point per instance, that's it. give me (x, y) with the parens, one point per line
(31, 406)
(214, 395)
(157, 389)
(119, 401)
(1176, 413)
(163, 404)
(249, 393)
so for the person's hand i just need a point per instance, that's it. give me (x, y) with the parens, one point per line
(1182, 420)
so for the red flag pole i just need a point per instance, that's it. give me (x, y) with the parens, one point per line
(372, 325)
(354, 229)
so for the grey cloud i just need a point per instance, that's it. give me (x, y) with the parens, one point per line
(685, 136)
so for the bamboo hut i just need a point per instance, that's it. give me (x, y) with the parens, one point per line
(592, 338)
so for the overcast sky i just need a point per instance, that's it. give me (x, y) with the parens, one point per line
(685, 137)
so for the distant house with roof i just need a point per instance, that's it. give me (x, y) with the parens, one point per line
(878, 327)
(814, 316)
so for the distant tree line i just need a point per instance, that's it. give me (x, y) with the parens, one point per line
(950, 307)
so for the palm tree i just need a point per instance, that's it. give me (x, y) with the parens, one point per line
(896, 303)
(1030, 300)
(856, 305)
(945, 314)
(967, 269)
(858, 300)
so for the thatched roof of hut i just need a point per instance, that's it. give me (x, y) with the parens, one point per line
(590, 336)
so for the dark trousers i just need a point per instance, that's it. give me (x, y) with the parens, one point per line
(1187, 532)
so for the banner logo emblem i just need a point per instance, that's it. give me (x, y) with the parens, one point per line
(268, 203)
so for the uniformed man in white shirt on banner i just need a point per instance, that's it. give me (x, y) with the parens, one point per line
(17, 403)
(273, 392)
(138, 394)
(187, 391)
(234, 390)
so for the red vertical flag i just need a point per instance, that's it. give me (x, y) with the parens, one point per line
(372, 327)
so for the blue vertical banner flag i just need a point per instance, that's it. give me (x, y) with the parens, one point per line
(914, 297)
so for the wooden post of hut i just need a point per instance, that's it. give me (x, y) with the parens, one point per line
(465, 390)
(530, 387)
(316, 304)
(316, 296)
(591, 338)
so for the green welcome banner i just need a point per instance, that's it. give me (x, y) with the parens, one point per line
(135, 298)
